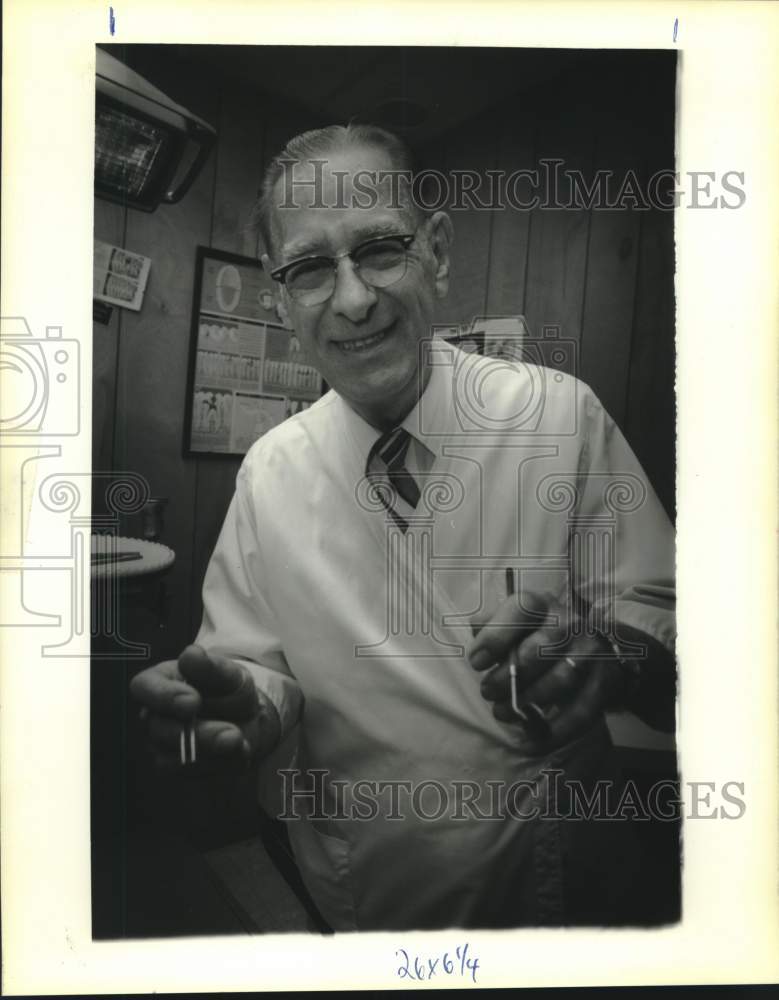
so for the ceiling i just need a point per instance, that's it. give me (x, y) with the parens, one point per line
(420, 91)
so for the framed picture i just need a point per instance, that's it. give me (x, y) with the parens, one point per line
(247, 371)
(118, 276)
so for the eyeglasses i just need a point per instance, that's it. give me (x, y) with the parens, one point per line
(380, 262)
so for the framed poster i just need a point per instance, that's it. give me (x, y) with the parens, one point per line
(247, 372)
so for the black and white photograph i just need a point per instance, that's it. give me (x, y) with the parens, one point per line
(388, 434)
(412, 665)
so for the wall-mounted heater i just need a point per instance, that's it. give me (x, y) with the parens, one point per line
(148, 149)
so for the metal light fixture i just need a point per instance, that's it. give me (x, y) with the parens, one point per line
(148, 149)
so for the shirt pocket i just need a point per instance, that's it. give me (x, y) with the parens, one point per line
(325, 865)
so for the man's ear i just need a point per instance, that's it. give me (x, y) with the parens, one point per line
(281, 311)
(441, 239)
(278, 293)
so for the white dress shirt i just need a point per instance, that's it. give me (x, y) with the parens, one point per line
(357, 630)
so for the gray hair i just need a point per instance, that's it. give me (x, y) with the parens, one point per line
(312, 145)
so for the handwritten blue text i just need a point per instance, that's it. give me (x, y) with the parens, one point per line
(457, 963)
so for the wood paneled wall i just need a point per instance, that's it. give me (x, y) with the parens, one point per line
(605, 278)
(140, 359)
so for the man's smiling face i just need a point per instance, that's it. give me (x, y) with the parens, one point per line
(363, 340)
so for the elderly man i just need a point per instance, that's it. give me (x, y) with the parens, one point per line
(443, 572)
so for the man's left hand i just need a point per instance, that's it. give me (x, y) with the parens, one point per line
(564, 679)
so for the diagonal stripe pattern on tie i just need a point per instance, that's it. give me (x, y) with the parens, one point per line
(391, 449)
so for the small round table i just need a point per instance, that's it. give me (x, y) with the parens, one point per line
(134, 557)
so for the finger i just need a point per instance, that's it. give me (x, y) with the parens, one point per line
(162, 690)
(503, 711)
(212, 738)
(560, 683)
(533, 719)
(226, 687)
(539, 651)
(543, 701)
(532, 662)
(213, 676)
(550, 648)
(516, 617)
(496, 685)
(479, 620)
(582, 713)
(533, 728)
(579, 716)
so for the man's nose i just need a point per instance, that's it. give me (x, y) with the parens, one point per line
(351, 297)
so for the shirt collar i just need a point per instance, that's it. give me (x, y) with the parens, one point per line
(431, 416)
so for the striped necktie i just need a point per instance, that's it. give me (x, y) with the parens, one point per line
(391, 449)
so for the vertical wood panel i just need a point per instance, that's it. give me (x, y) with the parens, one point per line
(472, 148)
(651, 403)
(153, 364)
(109, 227)
(613, 252)
(511, 226)
(651, 417)
(557, 251)
(238, 167)
(432, 156)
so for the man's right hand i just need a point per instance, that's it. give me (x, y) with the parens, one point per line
(217, 696)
